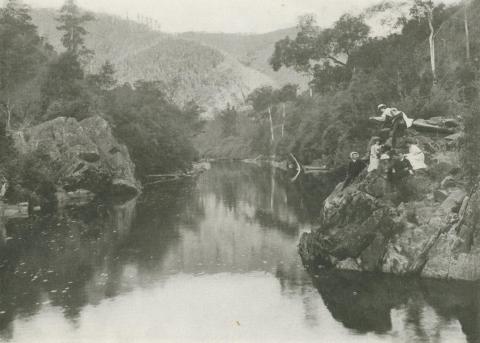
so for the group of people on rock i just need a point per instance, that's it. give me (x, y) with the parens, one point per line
(397, 161)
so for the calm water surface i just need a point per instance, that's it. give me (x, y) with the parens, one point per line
(209, 260)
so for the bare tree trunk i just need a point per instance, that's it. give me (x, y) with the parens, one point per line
(73, 45)
(271, 123)
(9, 117)
(467, 34)
(399, 85)
(283, 122)
(8, 111)
(431, 41)
(272, 189)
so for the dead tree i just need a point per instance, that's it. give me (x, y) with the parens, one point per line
(467, 34)
(7, 109)
(423, 9)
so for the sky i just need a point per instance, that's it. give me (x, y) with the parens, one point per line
(252, 16)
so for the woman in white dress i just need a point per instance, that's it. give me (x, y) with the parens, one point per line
(415, 156)
(374, 154)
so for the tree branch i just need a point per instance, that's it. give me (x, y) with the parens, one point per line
(439, 29)
(337, 60)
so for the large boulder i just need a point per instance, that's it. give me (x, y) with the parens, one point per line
(84, 155)
(352, 221)
(364, 228)
(115, 156)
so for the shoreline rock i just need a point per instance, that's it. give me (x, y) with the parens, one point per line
(85, 155)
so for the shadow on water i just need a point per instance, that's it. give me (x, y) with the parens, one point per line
(367, 302)
(78, 257)
(52, 259)
(235, 223)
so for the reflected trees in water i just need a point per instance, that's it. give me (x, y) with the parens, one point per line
(366, 302)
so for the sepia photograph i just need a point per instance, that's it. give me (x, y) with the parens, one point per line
(239, 171)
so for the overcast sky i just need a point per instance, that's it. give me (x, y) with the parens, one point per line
(222, 15)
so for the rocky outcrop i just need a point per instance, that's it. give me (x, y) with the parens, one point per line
(85, 155)
(371, 226)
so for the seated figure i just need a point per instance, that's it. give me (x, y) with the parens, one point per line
(415, 156)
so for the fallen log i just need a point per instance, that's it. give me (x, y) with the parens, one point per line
(178, 177)
(255, 160)
(315, 169)
(423, 125)
(164, 175)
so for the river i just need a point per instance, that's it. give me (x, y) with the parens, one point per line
(209, 260)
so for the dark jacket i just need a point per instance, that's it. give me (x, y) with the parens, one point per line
(354, 168)
(400, 169)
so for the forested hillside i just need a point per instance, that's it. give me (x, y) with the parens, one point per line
(40, 83)
(352, 72)
(255, 50)
(252, 50)
(190, 69)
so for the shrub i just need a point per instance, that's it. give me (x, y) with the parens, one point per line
(30, 175)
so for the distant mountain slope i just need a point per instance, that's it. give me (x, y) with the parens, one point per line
(190, 70)
(193, 71)
(253, 50)
(210, 68)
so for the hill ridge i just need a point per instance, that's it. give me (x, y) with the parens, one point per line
(191, 69)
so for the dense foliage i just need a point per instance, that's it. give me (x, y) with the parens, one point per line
(23, 57)
(352, 72)
(156, 131)
(39, 84)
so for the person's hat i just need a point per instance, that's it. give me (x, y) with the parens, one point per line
(353, 153)
(381, 106)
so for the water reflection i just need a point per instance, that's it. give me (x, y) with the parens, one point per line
(410, 308)
(213, 258)
(51, 260)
